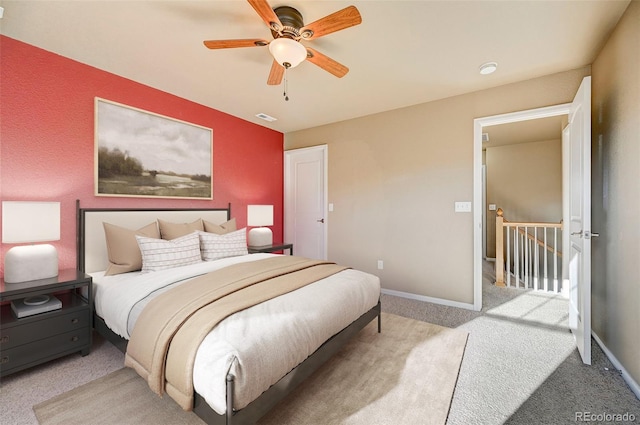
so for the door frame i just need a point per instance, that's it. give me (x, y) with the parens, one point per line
(288, 192)
(478, 208)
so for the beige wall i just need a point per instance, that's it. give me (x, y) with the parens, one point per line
(394, 178)
(616, 192)
(525, 180)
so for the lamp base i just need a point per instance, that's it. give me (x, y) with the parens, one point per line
(30, 262)
(260, 236)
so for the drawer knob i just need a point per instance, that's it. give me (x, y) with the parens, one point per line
(5, 359)
(74, 320)
(74, 339)
(4, 338)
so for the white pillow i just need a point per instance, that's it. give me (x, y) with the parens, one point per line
(160, 254)
(214, 246)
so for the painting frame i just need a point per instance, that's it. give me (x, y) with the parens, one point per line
(144, 154)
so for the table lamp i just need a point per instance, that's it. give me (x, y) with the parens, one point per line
(260, 215)
(29, 222)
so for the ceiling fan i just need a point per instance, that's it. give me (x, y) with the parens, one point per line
(288, 29)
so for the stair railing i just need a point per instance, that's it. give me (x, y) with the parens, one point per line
(518, 252)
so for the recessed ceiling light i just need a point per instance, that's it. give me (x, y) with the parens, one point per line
(488, 68)
(265, 117)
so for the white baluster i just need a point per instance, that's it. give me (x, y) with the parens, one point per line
(546, 255)
(527, 257)
(536, 253)
(508, 259)
(516, 255)
(555, 259)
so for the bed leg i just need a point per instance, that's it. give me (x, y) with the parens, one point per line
(379, 322)
(230, 392)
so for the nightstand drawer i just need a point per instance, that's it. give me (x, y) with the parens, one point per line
(20, 334)
(52, 347)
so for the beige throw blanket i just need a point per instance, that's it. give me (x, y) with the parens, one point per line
(167, 335)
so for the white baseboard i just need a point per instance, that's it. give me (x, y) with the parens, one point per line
(440, 301)
(627, 377)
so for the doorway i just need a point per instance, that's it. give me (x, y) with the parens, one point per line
(479, 126)
(577, 229)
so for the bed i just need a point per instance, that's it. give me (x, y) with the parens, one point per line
(234, 381)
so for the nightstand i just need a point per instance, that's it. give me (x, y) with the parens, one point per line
(271, 248)
(41, 337)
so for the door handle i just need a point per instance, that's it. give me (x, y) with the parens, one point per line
(321, 220)
(588, 234)
(576, 233)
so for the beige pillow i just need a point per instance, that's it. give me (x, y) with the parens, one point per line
(170, 230)
(220, 229)
(122, 247)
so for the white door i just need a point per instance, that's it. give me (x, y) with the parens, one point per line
(305, 195)
(579, 229)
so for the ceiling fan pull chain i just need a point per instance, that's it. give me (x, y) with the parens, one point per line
(286, 85)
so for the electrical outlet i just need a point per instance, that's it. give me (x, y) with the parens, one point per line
(380, 265)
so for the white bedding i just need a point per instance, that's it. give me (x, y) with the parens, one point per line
(249, 344)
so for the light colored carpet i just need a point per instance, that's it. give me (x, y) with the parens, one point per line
(405, 375)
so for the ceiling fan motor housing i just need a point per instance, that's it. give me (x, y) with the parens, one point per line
(291, 21)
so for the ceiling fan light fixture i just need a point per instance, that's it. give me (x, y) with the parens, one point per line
(287, 52)
(488, 68)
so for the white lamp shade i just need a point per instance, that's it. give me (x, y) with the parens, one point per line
(26, 221)
(260, 215)
(287, 51)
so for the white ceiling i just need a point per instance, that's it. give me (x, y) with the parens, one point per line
(403, 53)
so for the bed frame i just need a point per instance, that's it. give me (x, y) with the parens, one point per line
(92, 257)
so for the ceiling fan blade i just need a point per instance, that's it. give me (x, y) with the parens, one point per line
(337, 21)
(267, 14)
(326, 63)
(276, 74)
(226, 44)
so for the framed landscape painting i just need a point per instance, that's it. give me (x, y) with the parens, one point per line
(142, 154)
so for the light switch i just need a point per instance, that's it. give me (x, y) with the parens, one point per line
(492, 207)
(330, 207)
(463, 207)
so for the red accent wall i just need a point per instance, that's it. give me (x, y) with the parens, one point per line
(47, 141)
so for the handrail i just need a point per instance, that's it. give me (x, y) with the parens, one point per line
(525, 249)
(530, 224)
